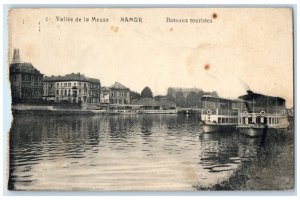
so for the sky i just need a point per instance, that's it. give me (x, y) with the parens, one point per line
(254, 45)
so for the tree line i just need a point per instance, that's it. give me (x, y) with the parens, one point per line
(180, 97)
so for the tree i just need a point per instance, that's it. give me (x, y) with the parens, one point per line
(171, 92)
(170, 96)
(134, 95)
(159, 97)
(146, 93)
(192, 99)
(199, 96)
(180, 100)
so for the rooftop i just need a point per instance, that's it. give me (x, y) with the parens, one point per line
(262, 99)
(71, 77)
(118, 86)
(24, 67)
(105, 88)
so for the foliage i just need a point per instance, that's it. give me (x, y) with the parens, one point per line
(180, 99)
(146, 93)
(135, 95)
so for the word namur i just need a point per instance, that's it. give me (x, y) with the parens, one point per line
(132, 19)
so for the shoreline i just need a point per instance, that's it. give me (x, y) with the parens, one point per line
(82, 112)
(262, 173)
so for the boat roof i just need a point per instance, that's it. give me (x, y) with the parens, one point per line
(256, 96)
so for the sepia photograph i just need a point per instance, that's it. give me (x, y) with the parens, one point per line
(151, 99)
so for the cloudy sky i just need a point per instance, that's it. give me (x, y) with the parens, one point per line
(254, 45)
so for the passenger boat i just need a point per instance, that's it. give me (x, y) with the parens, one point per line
(259, 113)
(218, 113)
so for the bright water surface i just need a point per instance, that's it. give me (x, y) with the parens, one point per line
(124, 152)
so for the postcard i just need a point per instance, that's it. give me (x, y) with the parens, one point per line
(151, 99)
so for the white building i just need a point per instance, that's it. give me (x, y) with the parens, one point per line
(72, 88)
(105, 95)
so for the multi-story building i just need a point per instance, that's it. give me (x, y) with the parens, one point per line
(105, 95)
(26, 81)
(74, 88)
(119, 94)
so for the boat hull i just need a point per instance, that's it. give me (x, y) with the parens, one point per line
(252, 131)
(258, 131)
(209, 128)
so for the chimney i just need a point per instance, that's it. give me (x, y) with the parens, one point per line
(16, 56)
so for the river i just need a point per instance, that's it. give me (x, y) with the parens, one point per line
(142, 153)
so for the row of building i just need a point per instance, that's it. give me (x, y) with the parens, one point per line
(29, 85)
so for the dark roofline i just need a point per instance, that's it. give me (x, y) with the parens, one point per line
(116, 88)
(24, 67)
(71, 77)
(253, 95)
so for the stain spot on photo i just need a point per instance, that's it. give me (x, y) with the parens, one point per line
(214, 16)
(114, 29)
(206, 66)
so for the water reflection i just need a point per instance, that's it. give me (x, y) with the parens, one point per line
(124, 152)
(219, 151)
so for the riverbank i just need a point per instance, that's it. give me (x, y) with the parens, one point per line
(272, 169)
(38, 111)
(52, 112)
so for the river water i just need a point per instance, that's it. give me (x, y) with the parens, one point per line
(134, 152)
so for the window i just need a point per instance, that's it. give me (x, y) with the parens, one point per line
(84, 85)
(65, 84)
(250, 120)
(69, 84)
(79, 84)
(57, 91)
(57, 84)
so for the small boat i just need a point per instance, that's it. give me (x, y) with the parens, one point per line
(218, 114)
(260, 114)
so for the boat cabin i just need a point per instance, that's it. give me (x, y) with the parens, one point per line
(219, 110)
(258, 109)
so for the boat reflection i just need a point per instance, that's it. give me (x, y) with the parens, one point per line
(224, 151)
